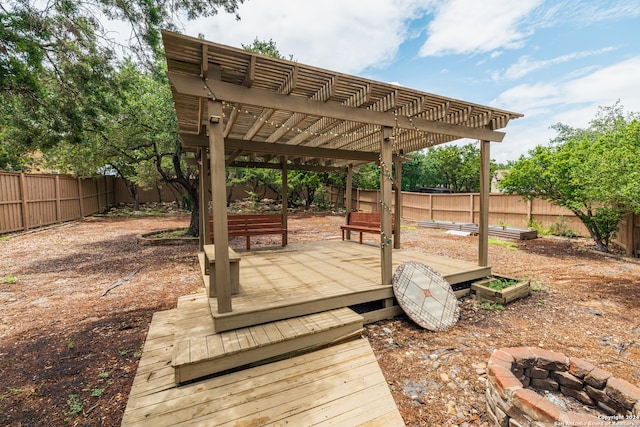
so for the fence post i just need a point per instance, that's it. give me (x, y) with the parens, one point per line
(430, 207)
(471, 208)
(106, 192)
(97, 194)
(629, 232)
(80, 198)
(58, 202)
(23, 198)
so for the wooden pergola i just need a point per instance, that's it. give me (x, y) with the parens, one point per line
(273, 113)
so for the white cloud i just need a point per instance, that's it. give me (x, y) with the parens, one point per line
(605, 86)
(520, 137)
(573, 102)
(471, 26)
(601, 87)
(347, 36)
(526, 66)
(529, 99)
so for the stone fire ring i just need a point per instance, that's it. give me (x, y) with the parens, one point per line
(513, 375)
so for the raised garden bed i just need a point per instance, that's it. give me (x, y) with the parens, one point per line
(500, 290)
(494, 230)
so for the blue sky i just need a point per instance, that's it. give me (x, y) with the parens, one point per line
(553, 61)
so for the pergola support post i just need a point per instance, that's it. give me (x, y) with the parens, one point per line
(348, 195)
(205, 226)
(398, 203)
(386, 159)
(285, 192)
(219, 198)
(485, 187)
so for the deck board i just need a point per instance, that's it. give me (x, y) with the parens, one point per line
(200, 355)
(325, 387)
(319, 276)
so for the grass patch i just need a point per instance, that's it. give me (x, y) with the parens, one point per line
(170, 234)
(97, 392)
(510, 245)
(75, 406)
(407, 227)
(488, 305)
(537, 286)
(5, 238)
(10, 279)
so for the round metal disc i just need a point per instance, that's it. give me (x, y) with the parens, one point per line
(425, 296)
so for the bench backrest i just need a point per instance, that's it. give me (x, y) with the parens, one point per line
(252, 221)
(366, 219)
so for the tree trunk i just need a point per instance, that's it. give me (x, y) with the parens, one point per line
(194, 225)
(133, 192)
(595, 236)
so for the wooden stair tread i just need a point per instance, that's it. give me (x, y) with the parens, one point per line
(209, 353)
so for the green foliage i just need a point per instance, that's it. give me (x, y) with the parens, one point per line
(55, 75)
(538, 286)
(255, 179)
(501, 284)
(97, 392)
(103, 375)
(594, 172)
(302, 187)
(13, 391)
(266, 48)
(453, 167)
(67, 94)
(367, 177)
(418, 173)
(320, 199)
(511, 245)
(9, 279)
(537, 225)
(75, 406)
(561, 228)
(489, 305)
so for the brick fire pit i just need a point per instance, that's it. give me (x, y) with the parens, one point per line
(514, 375)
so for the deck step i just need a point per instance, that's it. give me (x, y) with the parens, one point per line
(202, 354)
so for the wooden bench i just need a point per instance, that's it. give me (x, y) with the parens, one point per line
(254, 225)
(364, 222)
(210, 269)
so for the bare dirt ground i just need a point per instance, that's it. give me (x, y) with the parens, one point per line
(68, 355)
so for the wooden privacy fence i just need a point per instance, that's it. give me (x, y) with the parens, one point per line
(504, 209)
(34, 200)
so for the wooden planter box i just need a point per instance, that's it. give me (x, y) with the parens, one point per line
(504, 296)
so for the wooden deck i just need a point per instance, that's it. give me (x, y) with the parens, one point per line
(312, 277)
(339, 385)
(288, 353)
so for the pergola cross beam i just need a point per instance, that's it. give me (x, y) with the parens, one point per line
(232, 93)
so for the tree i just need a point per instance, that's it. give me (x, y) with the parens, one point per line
(593, 172)
(64, 93)
(419, 172)
(140, 143)
(455, 167)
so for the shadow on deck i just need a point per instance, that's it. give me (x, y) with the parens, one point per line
(248, 366)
